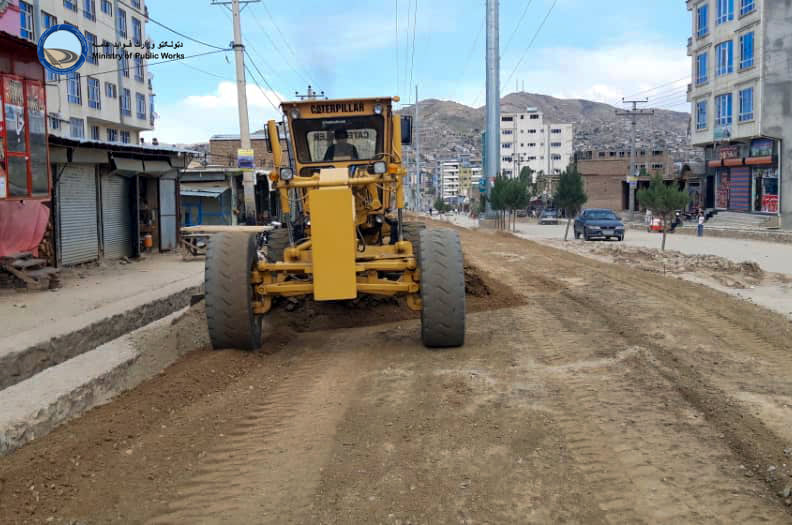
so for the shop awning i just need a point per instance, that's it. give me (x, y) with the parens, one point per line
(748, 161)
(207, 191)
(127, 166)
(157, 167)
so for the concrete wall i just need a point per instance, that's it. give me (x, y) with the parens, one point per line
(604, 191)
(777, 111)
(224, 152)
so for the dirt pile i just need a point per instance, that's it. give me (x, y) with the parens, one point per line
(728, 273)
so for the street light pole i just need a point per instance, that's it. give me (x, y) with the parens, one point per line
(493, 94)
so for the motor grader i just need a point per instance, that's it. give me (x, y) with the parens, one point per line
(342, 229)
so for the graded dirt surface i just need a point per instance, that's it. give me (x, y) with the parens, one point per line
(594, 393)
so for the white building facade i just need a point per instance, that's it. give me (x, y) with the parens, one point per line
(527, 140)
(107, 99)
(741, 116)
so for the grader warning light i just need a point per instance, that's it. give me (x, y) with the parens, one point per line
(343, 232)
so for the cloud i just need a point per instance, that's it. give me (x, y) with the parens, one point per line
(197, 117)
(605, 74)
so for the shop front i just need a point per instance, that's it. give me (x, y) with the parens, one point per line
(746, 177)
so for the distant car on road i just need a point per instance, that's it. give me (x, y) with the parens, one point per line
(599, 224)
(548, 217)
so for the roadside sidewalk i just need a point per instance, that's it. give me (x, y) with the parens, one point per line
(95, 305)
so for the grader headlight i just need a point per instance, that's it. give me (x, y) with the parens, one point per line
(380, 168)
(286, 174)
(378, 109)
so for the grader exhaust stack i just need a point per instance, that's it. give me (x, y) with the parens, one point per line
(341, 195)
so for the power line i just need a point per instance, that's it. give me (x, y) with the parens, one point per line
(262, 78)
(517, 27)
(531, 43)
(277, 48)
(205, 72)
(471, 51)
(412, 59)
(188, 37)
(407, 47)
(285, 40)
(63, 77)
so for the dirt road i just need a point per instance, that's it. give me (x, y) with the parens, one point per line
(595, 394)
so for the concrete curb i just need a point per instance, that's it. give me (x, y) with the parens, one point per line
(766, 236)
(36, 406)
(26, 354)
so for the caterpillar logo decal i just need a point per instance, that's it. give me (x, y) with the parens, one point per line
(350, 107)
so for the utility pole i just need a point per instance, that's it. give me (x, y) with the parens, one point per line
(493, 94)
(634, 113)
(248, 163)
(417, 132)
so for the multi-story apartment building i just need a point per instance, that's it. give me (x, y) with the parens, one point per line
(107, 99)
(526, 140)
(740, 98)
(456, 179)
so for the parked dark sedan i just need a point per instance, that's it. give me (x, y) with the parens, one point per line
(599, 224)
(548, 217)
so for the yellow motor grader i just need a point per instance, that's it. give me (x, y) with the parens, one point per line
(343, 234)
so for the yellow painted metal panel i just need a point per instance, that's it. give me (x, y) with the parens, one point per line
(334, 244)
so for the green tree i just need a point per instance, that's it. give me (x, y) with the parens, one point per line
(663, 199)
(498, 199)
(570, 195)
(440, 205)
(517, 196)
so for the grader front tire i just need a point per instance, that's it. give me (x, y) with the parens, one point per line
(229, 292)
(442, 289)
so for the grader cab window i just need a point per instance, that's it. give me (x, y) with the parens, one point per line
(339, 139)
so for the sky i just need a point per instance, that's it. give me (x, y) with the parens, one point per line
(589, 49)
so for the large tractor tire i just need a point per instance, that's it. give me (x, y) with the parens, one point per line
(277, 242)
(442, 289)
(229, 292)
(411, 231)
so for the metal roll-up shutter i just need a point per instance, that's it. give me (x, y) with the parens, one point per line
(78, 239)
(167, 210)
(116, 217)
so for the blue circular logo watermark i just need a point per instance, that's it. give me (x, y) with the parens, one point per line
(62, 49)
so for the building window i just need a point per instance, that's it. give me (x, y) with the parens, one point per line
(122, 26)
(112, 135)
(107, 48)
(89, 9)
(507, 119)
(747, 50)
(140, 106)
(126, 102)
(125, 65)
(602, 155)
(26, 20)
(534, 117)
(725, 11)
(532, 144)
(506, 145)
(125, 137)
(555, 157)
(54, 123)
(94, 93)
(77, 128)
(139, 69)
(702, 21)
(95, 133)
(701, 114)
(152, 115)
(531, 131)
(657, 166)
(555, 144)
(747, 6)
(91, 39)
(110, 90)
(556, 131)
(73, 91)
(136, 4)
(107, 7)
(724, 53)
(48, 21)
(70, 4)
(137, 31)
(507, 132)
(701, 69)
(746, 104)
(723, 109)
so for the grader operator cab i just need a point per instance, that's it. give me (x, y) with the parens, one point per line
(341, 195)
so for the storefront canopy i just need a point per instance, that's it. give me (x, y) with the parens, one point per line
(206, 191)
(124, 166)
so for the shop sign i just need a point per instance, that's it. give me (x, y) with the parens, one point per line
(722, 196)
(770, 203)
(245, 159)
(762, 148)
(729, 152)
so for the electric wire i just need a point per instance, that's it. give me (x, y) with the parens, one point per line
(174, 31)
(285, 40)
(531, 43)
(274, 106)
(412, 59)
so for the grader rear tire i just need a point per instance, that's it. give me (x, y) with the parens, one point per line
(229, 292)
(411, 231)
(442, 289)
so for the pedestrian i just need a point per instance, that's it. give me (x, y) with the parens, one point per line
(430, 211)
(700, 231)
(648, 217)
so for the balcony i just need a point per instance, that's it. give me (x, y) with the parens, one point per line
(690, 47)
